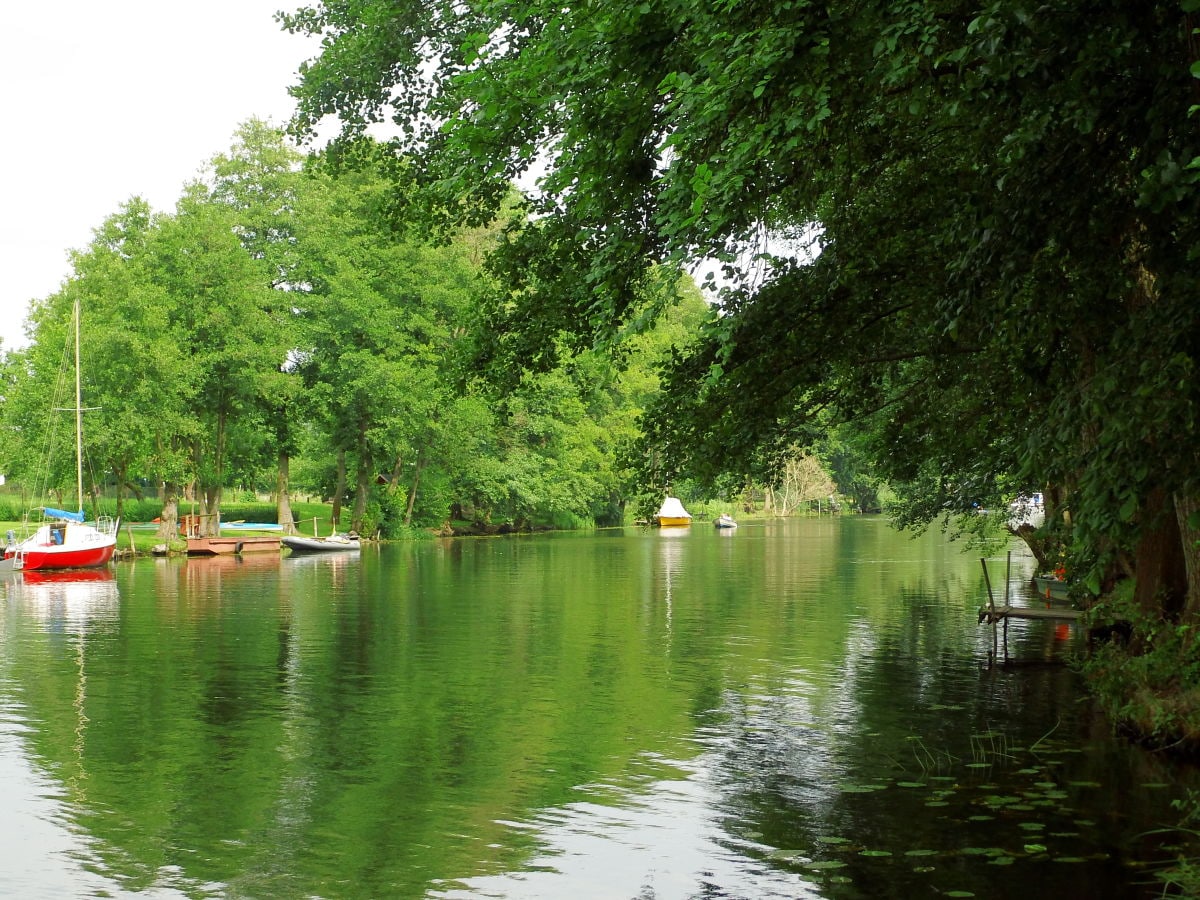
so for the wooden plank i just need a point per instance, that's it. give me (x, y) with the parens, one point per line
(989, 614)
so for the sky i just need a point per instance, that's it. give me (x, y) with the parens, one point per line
(105, 101)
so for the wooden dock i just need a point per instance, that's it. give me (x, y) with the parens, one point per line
(994, 614)
(211, 546)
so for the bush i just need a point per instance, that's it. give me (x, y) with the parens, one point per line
(1149, 682)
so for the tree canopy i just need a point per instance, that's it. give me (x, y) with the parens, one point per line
(1004, 198)
(282, 314)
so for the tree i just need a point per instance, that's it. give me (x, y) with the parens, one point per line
(378, 313)
(131, 365)
(230, 325)
(131, 359)
(262, 180)
(1006, 204)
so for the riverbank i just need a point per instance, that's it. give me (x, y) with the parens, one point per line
(1146, 675)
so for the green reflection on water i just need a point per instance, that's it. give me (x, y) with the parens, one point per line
(640, 711)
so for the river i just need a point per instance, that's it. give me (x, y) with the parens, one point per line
(800, 708)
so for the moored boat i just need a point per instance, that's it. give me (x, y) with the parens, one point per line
(724, 521)
(215, 546)
(672, 514)
(1052, 587)
(335, 543)
(64, 540)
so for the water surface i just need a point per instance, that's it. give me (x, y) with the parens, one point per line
(795, 709)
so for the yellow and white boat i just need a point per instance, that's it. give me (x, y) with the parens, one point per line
(672, 514)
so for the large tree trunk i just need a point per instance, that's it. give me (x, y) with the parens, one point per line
(362, 492)
(1162, 577)
(412, 490)
(119, 474)
(210, 510)
(1185, 508)
(168, 520)
(339, 489)
(283, 508)
(364, 478)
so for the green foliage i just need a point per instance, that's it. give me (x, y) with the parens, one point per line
(1147, 672)
(1005, 204)
(286, 314)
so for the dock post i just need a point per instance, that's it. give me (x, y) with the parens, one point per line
(1007, 582)
(991, 605)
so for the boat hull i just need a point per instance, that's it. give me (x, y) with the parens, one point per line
(50, 558)
(1052, 588)
(299, 544)
(674, 521)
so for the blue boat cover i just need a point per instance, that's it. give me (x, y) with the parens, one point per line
(62, 514)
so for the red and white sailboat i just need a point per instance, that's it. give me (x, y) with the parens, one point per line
(65, 540)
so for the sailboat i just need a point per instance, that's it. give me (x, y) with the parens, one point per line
(65, 540)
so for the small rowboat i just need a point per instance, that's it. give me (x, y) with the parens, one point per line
(335, 543)
(1051, 587)
(725, 521)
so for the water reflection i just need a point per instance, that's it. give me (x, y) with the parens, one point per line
(65, 601)
(802, 710)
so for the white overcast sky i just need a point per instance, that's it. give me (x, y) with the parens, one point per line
(109, 100)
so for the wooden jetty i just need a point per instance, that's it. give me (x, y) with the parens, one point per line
(994, 615)
(212, 546)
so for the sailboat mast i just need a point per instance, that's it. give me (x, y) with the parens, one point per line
(78, 416)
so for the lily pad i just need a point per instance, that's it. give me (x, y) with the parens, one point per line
(875, 853)
(859, 788)
(825, 864)
(994, 800)
(785, 855)
(920, 852)
(831, 839)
